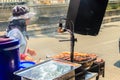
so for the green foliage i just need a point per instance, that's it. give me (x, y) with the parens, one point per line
(112, 6)
(109, 7)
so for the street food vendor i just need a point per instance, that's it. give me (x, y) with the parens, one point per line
(17, 26)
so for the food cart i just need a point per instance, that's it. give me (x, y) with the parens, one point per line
(66, 65)
(61, 69)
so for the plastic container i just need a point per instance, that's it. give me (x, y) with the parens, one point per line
(9, 59)
(26, 64)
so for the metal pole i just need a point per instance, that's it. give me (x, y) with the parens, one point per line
(72, 48)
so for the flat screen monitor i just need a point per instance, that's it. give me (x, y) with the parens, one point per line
(87, 15)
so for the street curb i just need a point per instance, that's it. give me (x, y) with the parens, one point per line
(36, 29)
(53, 27)
(43, 29)
(111, 19)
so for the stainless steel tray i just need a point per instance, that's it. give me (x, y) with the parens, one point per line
(48, 70)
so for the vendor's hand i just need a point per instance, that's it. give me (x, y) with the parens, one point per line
(28, 58)
(22, 56)
(31, 52)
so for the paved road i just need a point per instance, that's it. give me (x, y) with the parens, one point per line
(105, 45)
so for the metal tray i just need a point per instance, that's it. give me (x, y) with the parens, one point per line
(48, 70)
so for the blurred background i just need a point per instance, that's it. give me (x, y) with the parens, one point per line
(48, 12)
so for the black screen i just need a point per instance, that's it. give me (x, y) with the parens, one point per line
(87, 15)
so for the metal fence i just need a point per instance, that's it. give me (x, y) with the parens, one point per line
(4, 1)
(10, 3)
(6, 6)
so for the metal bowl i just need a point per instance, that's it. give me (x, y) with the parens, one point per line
(87, 64)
